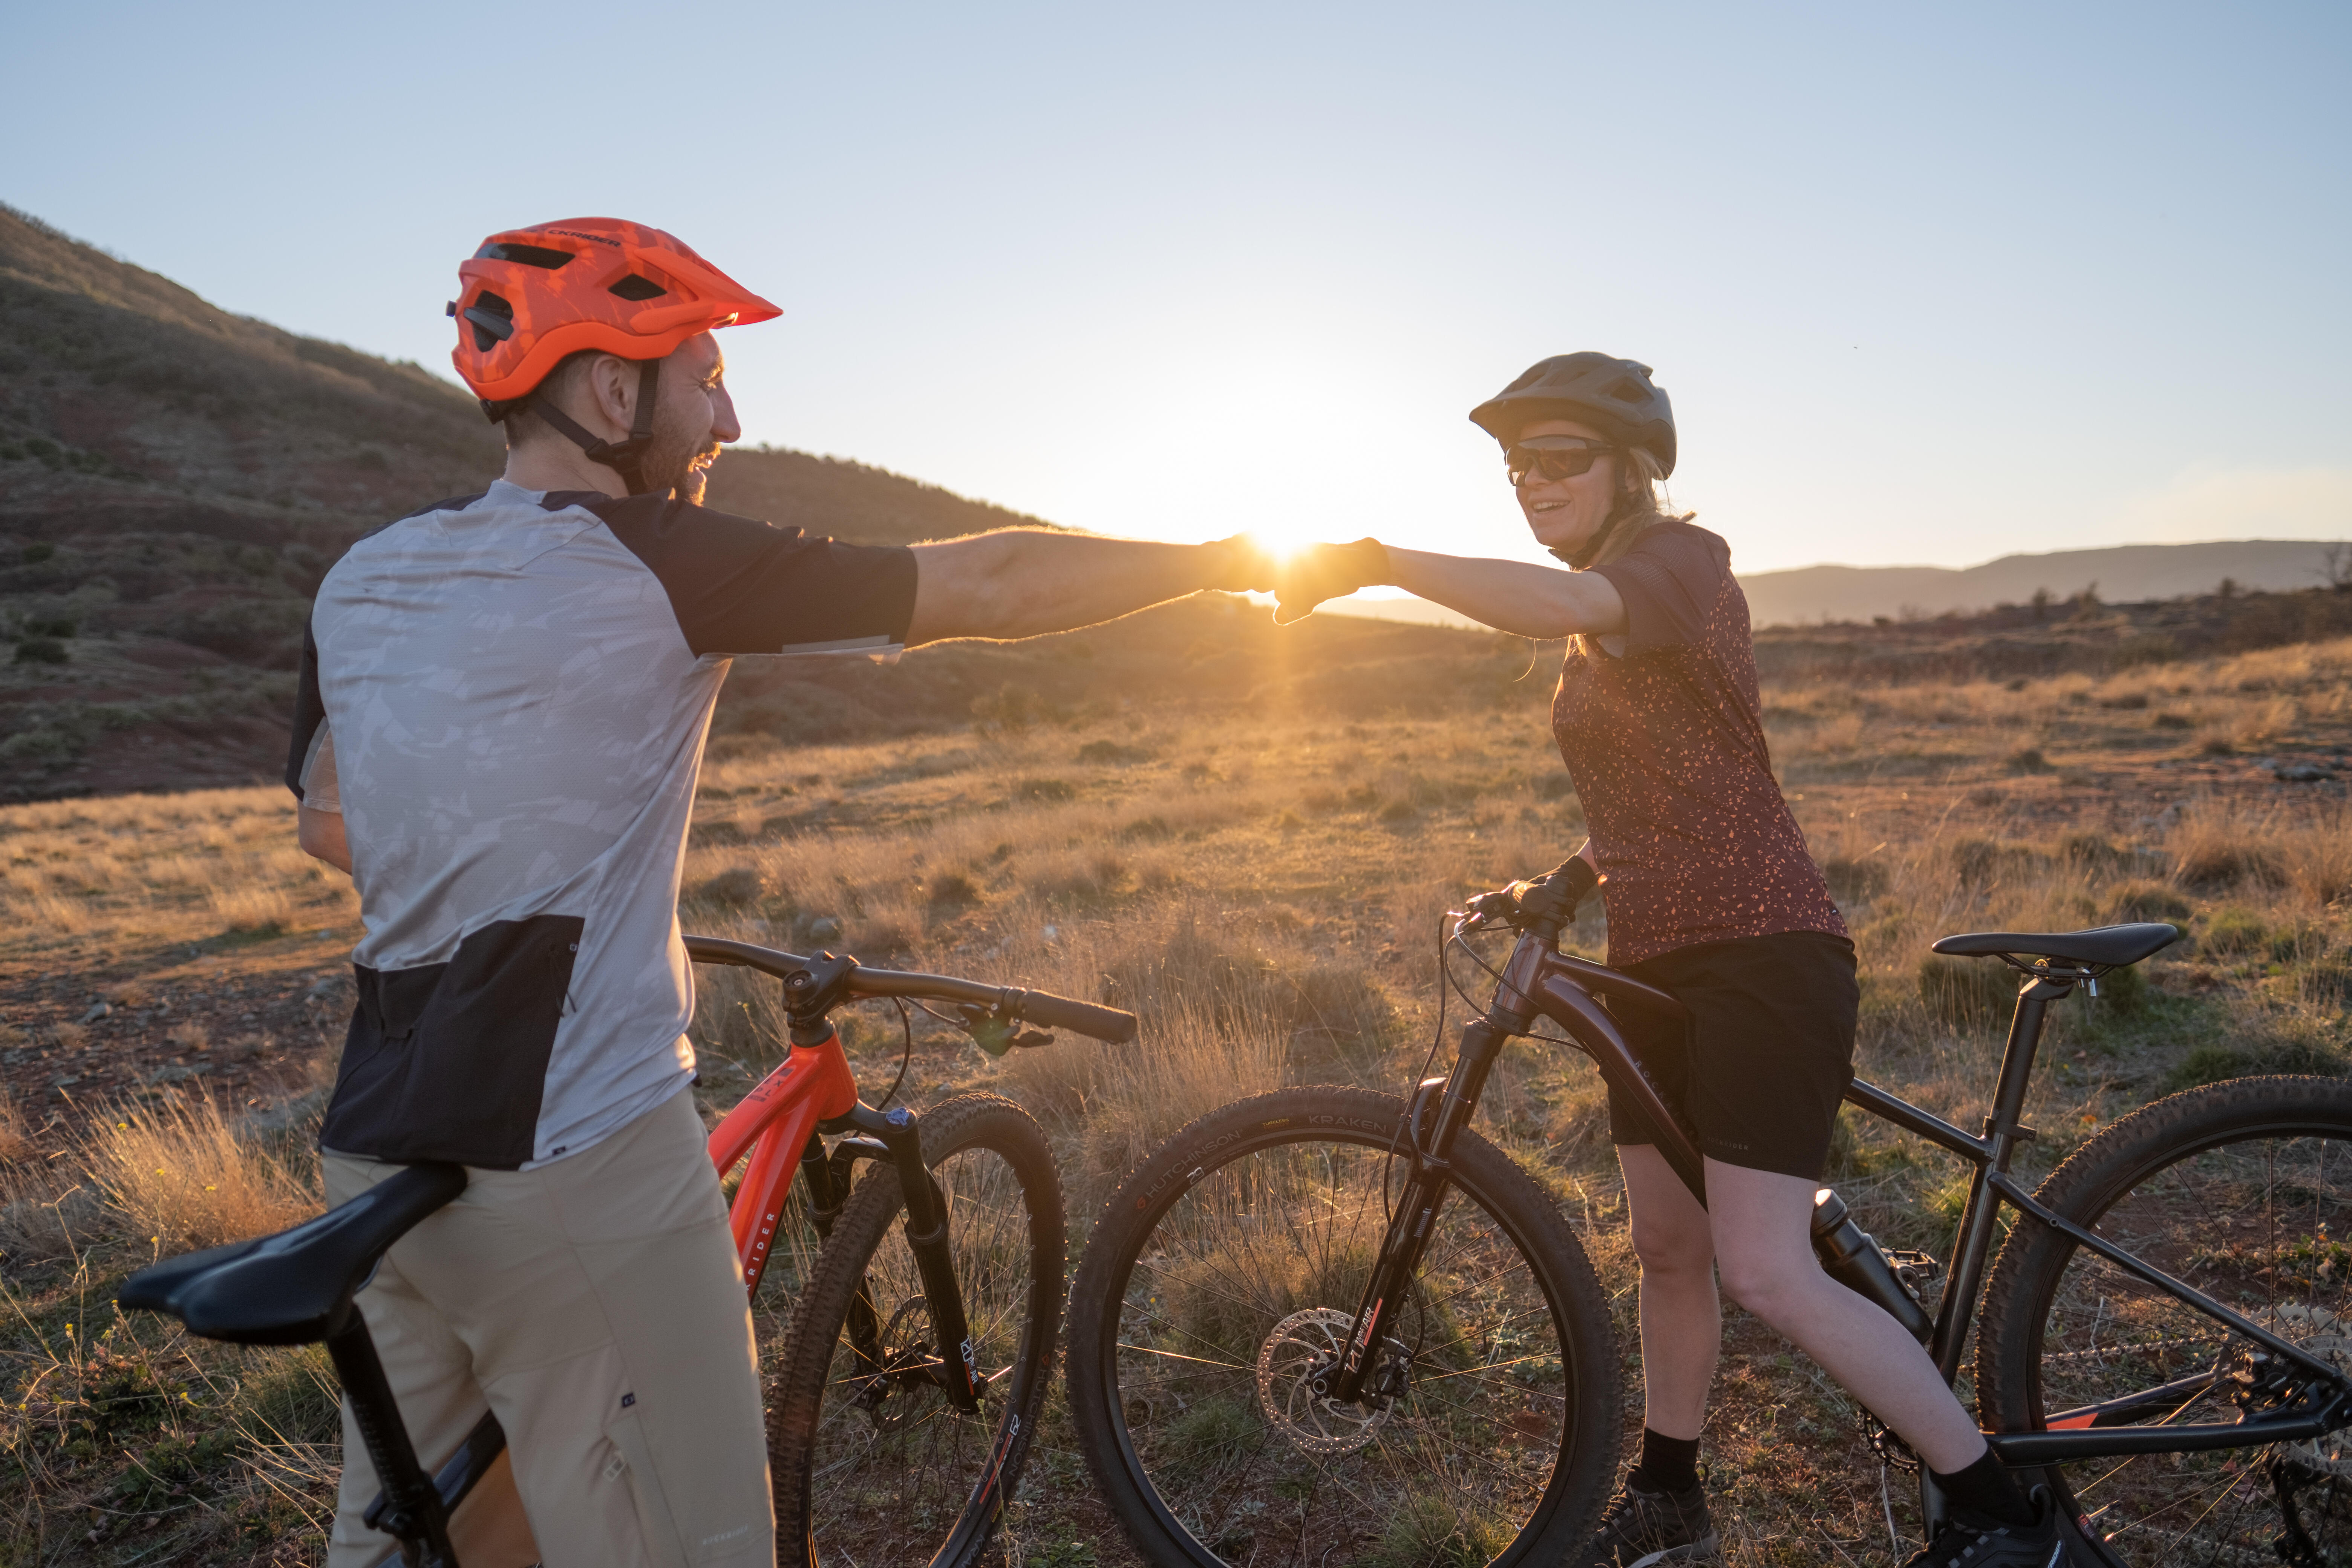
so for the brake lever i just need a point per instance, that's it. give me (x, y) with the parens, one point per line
(995, 1031)
(1487, 909)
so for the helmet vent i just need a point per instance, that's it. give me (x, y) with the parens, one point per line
(528, 254)
(633, 287)
(1628, 390)
(492, 320)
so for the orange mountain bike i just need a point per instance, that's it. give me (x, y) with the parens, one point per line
(917, 1350)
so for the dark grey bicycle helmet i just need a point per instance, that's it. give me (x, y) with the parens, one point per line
(1614, 396)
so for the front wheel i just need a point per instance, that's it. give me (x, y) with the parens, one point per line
(1226, 1272)
(2242, 1190)
(871, 1463)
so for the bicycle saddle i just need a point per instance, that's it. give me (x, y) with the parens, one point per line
(295, 1287)
(2108, 946)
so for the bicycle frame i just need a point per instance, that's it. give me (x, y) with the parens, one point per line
(1538, 981)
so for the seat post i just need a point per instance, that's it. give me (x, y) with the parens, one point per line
(2003, 1128)
(2003, 1132)
(410, 1507)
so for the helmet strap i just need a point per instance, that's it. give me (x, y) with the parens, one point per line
(1584, 555)
(625, 458)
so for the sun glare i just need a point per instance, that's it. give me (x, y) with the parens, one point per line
(1281, 541)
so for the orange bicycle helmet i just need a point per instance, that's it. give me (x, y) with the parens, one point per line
(531, 296)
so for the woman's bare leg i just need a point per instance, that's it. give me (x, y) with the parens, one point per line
(1682, 1321)
(1762, 1224)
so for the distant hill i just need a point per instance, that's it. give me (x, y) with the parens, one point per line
(2121, 573)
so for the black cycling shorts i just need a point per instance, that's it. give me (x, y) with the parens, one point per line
(1760, 1067)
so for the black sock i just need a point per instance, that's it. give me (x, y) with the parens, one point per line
(1668, 1464)
(1986, 1488)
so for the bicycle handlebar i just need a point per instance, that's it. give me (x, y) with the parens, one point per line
(1024, 1005)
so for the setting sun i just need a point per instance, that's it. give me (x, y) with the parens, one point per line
(1281, 541)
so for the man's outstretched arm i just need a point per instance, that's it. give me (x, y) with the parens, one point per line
(1025, 581)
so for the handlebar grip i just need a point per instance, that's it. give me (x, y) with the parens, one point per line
(1043, 1007)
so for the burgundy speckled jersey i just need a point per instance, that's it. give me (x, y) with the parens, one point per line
(1667, 745)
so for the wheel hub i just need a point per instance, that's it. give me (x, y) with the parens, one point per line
(1295, 1358)
(889, 1396)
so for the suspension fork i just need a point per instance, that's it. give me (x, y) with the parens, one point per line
(1441, 1108)
(829, 1179)
(897, 1134)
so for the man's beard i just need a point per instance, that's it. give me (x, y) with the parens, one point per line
(672, 464)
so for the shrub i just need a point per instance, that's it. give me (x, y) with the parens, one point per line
(2293, 944)
(2222, 860)
(41, 650)
(1977, 862)
(736, 888)
(2235, 931)
(1853, 880)
(2090, 852)
(2125, 992)
(2029, 760)
(1046, 790)
(2145, 901)
(1965, 993)
(2174, 722)
(2327, 981)
(1010, 708)
(951, 891)
(1111, 752)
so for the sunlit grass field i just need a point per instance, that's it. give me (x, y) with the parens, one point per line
(1265, 885)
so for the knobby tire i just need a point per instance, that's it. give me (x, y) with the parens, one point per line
(2244, 1190)
(878, 1468)
(1217, 1273)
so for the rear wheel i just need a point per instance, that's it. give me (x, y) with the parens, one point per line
(872, 1465)
(1227, 1270)
(2242, 1190)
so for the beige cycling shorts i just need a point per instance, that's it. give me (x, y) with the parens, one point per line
(595, 1304)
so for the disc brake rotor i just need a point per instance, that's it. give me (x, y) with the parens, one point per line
(1301, 1345)
(888, 1399)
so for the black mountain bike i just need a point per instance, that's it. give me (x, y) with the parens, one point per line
(920, 1344)
(1331, 1325)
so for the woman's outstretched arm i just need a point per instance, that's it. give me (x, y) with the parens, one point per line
(1512, 596)
(1509, 595)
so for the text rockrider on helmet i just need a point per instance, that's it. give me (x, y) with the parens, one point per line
(500, 720)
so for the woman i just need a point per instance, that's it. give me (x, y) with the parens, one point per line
(1710, 894)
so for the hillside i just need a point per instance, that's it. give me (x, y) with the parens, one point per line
(174, 479)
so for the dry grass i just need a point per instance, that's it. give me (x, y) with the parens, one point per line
(1265, 889)
(182, 1176)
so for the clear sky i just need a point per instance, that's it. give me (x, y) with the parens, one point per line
(1927, 284)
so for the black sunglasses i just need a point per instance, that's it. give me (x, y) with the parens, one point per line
(1552, 462)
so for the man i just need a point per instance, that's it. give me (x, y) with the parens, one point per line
(503, 705)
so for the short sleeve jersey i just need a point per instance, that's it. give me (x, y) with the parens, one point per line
(514, 688)
(1664, 738)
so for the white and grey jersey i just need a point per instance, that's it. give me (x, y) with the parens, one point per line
(514, 688)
